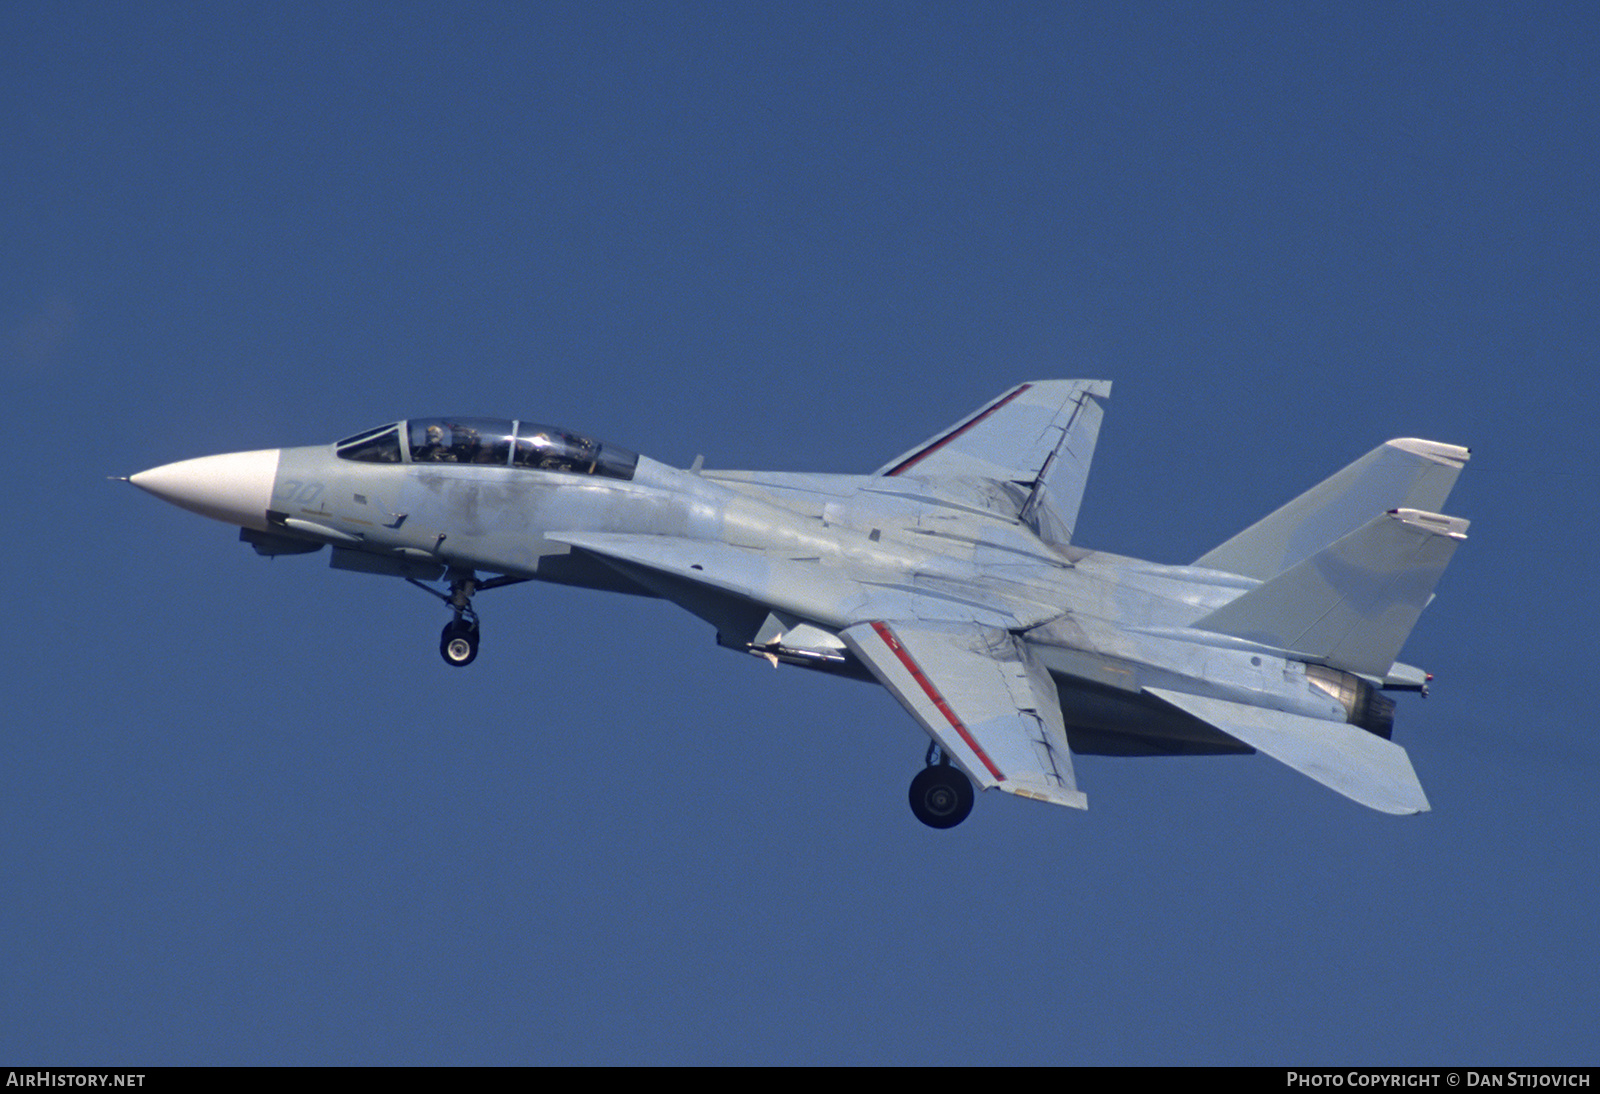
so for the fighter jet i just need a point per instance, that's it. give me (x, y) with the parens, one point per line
(949, 575)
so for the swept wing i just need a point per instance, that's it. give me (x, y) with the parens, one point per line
(980, 694)
(975, 688)
(803, 587)
(1039, 436)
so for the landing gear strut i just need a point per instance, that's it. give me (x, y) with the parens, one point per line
(458, 643)
(941, 794)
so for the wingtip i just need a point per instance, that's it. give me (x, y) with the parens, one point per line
(1100, 389)
(1072, 799)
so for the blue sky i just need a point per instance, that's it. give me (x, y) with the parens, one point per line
(250, 817)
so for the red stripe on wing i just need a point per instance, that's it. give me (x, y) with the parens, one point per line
(952, 435)
(933, 694)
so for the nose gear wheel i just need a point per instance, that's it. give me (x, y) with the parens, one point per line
(458, 642)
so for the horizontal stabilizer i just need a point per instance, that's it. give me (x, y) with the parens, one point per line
(1352, 604)
(1363, 767)
(1400, 474)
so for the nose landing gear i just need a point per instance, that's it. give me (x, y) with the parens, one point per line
(458, 642)
(458, 645)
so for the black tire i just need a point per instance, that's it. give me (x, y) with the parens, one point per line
(458, 645)
(941, 796)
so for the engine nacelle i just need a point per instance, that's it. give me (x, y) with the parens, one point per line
(1364, 705)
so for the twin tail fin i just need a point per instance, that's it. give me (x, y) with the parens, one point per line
(1352, 604)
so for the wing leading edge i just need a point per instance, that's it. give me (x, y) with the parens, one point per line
(980, 694)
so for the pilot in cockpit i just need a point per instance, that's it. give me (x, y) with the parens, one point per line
(432, 449)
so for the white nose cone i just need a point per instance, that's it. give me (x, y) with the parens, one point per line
(235, 487)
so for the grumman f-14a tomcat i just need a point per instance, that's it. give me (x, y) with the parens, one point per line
(949, 575)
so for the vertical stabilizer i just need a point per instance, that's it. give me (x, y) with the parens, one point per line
(1352, 604)
(1400, 474)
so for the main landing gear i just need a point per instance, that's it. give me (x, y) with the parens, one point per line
(941, 794)
(458, 643)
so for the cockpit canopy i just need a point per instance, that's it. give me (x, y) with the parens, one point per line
(490, 442)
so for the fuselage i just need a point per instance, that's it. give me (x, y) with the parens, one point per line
(785, 561)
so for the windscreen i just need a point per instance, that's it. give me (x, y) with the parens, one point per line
(380, 445)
